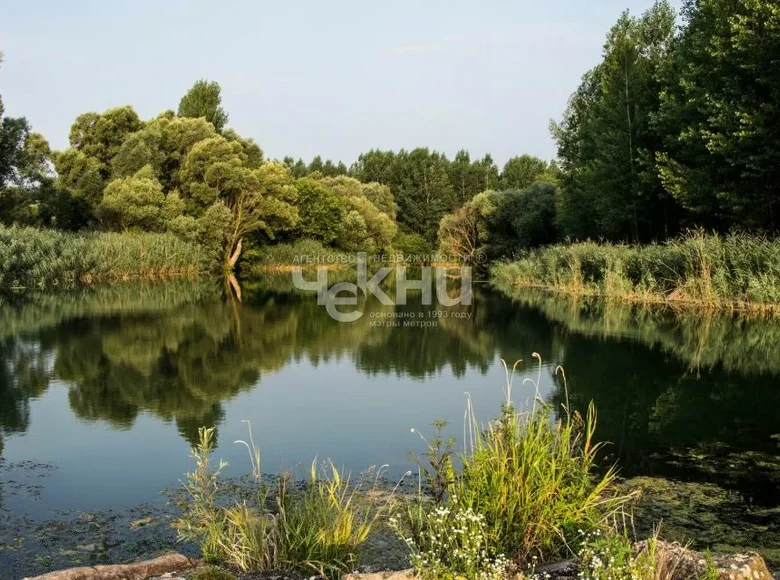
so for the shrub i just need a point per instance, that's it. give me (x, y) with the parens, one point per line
(533, 481)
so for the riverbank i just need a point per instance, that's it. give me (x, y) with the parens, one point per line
(40, 259)
(702, 271)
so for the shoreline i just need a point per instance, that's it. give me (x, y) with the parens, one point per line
(672, 300)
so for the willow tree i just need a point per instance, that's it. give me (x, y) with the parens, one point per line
(204, 100)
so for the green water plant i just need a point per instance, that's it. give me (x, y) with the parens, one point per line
(733, 272)
(526, 492)
(313, 526)
(32, 258)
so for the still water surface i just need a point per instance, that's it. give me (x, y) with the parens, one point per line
(102, 391)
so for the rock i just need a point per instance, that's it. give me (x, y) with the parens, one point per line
(399, 575)
(139, 571)
(558, 570)
(677, 563)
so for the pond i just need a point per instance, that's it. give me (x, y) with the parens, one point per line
(102, 392)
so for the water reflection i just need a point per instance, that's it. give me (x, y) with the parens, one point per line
(674, 393)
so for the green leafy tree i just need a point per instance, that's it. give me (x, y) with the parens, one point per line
(252, 152)
(204, 100)
(523, 218)
(424, 193)
(82, 176)
(522, 171)
(721, 153)
(365, 226)
(382, 197)
(100, 135)
(605, 141)
(321, 211)
(133, 202)
(465, 177)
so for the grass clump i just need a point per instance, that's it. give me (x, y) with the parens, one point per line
(317, 526)
(526, 492)
(32, 258)
(737, 271)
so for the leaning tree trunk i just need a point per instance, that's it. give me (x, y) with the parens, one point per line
(231, 262)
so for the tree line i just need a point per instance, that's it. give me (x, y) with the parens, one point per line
(675, 128)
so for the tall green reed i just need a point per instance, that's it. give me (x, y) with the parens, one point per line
(528, 483)
(317, 525)
(736, 270)
(32, 258)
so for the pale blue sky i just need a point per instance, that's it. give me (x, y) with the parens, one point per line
(303, 78)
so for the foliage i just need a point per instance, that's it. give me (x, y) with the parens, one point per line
(498, 224)
(412, 245)
(318, 527)
(731, 271)
(133, 202)
(605, 139)
(527, 489)
(720, 146)
(203, 521)
(520, 172)
(320, 210)
(533, 481)
(523, 219)
(35, 258)
(204, 100)
(459, 234)
(362, 226)
(437, 468)
(446, 545)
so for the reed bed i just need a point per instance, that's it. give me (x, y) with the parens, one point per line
(33, 258)
(734, 272)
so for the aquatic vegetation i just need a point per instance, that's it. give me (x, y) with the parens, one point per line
(32, 258)
(737, 271)
(526, 491)
(317, 526)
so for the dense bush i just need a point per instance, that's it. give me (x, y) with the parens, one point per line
(499, 224)
(36, 258)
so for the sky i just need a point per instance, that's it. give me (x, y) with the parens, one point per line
(332, 78)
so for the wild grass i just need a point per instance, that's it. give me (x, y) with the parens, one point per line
(303, 253)
(315, 527)
(32, 258)
(737, 271)
(527, 489)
